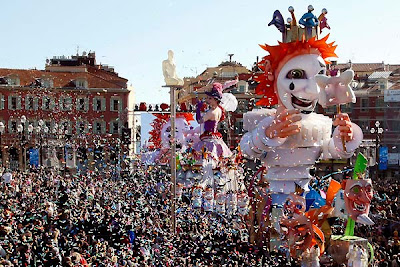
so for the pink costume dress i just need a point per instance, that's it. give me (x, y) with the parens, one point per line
(211, 140)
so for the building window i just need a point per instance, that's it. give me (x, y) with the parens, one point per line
(347, 108)
(82, 104)
(14, 102)
(99, 127)
(379, 104)
(2, 101)
(239, 127)
(364, 125)
(66, 103)
(81, 127)
(47, 103)
(330, 110)
(65, 127)
(81, 83)
(99, 104)
(13, 80)
(395, 126)
(364, 104)
(12, 126)
(114, 127)
(116, 104)
(31, 103)
(47, 83)
(229, 74)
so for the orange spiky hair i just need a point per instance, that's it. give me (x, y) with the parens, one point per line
(278, 56)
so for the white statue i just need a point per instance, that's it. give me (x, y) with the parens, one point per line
(169, 71)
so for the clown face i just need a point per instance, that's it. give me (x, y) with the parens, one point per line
(357, 198)
(294, 206)
(181, 127)
(296, 85)
(299, 234)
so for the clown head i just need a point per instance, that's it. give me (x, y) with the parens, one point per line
(299, 234)
(289, 72)
(294, 206)
(296, 85)
(181, 127)
(357, 198)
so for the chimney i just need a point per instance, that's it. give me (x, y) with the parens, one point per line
(383, 65)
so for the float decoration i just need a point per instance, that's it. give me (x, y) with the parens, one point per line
(292, 137)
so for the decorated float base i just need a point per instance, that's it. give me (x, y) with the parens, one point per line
(339, 246)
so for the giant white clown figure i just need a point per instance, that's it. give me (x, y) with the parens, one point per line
(289, 139)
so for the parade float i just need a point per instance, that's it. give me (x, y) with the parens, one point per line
(288, 137)
(207, 171)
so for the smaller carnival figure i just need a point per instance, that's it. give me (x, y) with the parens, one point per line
(357, 256)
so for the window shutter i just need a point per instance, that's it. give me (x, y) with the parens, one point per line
(103, 127)
(94, 128)
(18, 102)
(77, 103)
(35, 103)
(43, 103)
(61, 103)
(120, 104)
(1, 101)
(111, 104)
(87, 127)
(27, 102)
(9, 102)
(103, 104)
(10, 125)
(69, 103)
(86, 104)
(52, 103)
(94, 100)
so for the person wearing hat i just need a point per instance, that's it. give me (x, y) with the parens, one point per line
(211, 139)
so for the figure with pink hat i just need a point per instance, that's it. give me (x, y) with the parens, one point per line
(211, 140)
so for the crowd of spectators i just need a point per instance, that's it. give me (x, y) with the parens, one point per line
(48, 219)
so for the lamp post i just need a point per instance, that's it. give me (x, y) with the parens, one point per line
(41, 129)
(2, 128)
(23, 137)
(377, 131)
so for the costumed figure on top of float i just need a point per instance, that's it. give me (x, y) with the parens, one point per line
(290, 138)
(220, 181)
(211, 142)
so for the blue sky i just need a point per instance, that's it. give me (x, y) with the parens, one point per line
(134, 36)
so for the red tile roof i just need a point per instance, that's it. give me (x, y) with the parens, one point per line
(95, 78)
(367, 67)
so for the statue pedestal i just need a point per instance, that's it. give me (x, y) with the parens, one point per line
(339, 246)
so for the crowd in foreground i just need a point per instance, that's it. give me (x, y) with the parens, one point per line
(47, 219)
(89, 220)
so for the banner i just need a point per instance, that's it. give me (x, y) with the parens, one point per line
(383, 157)
(34, 157)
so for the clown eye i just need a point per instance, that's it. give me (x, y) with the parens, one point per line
(296, 74)
(356, 189)
(299, 206)
(168, 129)
(321, 72)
